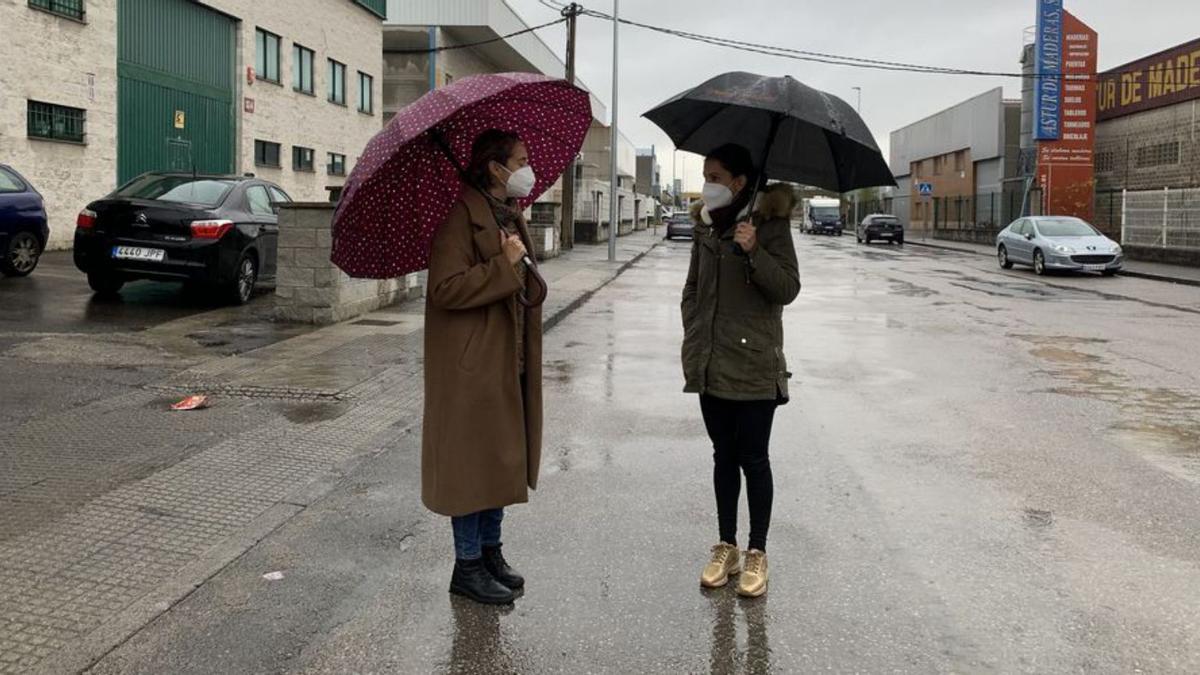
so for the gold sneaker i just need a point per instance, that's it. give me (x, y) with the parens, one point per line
(753, 582)
(724, 564)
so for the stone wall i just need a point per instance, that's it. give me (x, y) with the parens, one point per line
(310, 288)
(53, 59)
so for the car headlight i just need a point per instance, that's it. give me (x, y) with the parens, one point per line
(1066, 250)
(1117, 249)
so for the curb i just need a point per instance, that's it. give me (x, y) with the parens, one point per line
(549, 322)
(1183, 281)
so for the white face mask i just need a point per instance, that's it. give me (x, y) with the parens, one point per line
(716, 196)
(520, 182)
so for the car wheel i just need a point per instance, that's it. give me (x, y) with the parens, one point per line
(105, 284)
(1039, 263)
(242, 287)
(900, 241)
(21, 257)
(839, 233)
(1002, 256)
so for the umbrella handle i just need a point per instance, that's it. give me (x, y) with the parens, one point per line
(533, 278)
(776, 120)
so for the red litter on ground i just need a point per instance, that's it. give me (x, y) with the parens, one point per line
(191, 403)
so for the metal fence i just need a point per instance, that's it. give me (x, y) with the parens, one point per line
(1166, 219)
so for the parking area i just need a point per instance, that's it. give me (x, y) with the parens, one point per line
(61, 346)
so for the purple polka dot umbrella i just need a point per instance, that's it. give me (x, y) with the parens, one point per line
(404, 184)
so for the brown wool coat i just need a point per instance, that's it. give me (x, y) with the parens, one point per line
(482, 441)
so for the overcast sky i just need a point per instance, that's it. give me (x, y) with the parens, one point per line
(972, 34)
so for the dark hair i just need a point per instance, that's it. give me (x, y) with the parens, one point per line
(492, 145)
(737, 161)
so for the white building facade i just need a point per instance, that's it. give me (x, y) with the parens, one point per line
(94, 92)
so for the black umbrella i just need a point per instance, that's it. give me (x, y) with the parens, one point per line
(794, 132)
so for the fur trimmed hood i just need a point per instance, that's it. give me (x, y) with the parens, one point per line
(774, 201)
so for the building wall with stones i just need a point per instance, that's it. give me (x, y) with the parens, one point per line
(1150, 150)
(59, 60)
(41, 59)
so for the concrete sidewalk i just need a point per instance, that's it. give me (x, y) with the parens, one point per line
(1178, 274)
(288, 421)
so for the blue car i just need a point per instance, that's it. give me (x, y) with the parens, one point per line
(24, 229)
(1058, 243)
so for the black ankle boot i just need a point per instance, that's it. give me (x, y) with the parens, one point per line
(472, 580)
(494, 561)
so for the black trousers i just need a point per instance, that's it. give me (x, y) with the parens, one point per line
(741, 434)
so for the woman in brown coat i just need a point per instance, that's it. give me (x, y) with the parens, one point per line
(483, 367)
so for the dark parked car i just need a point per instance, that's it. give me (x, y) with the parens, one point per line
(880, 226)
(24, 229)
(210, 232)
(680, 225)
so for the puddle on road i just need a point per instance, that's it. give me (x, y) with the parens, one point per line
(1162, 423)
(910, 290)
(312, 413)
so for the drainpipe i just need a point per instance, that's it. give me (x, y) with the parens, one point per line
(433, 43)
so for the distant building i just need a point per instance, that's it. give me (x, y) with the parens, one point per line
(93, 93)
(969, 156)
(649, 186)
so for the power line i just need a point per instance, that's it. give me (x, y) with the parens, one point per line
(475, 44)
(837, 59)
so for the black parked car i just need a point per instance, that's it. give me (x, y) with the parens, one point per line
(880, 226)
(210, 232)
(24, 229)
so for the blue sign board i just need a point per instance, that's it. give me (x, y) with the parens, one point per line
(1048, 64)
(925, 189)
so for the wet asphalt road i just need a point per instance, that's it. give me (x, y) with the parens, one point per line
(980, 471)
(60, 346)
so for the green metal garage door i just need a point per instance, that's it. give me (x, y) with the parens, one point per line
(175, 88)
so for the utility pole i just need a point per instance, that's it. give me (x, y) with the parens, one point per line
(567, 235)
(859, 90)
(614, 218)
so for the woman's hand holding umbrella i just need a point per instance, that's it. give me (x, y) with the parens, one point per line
(746, 236)
(514, 248)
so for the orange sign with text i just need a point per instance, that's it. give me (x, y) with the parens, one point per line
(1066, 167)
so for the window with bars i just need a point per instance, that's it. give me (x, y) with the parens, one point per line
(69, 8)
(266, 154)
(366, 93)
(337, 82)
(1159, 154)
(266, 55)
(1105, 162)
(56, 122)
(336, 165)
(302, 69)
(302, 158)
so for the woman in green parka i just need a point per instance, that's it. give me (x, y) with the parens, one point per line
(743, 272)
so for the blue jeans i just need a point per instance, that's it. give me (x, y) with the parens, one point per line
(473, 532)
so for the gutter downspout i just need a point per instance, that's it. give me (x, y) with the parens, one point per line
(433, 44)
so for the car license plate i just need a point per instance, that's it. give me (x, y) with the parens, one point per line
(1095, 268)
(138, 253)
(885, 235)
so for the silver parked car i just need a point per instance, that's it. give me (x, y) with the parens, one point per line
(680, 225)
(1049, 243)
